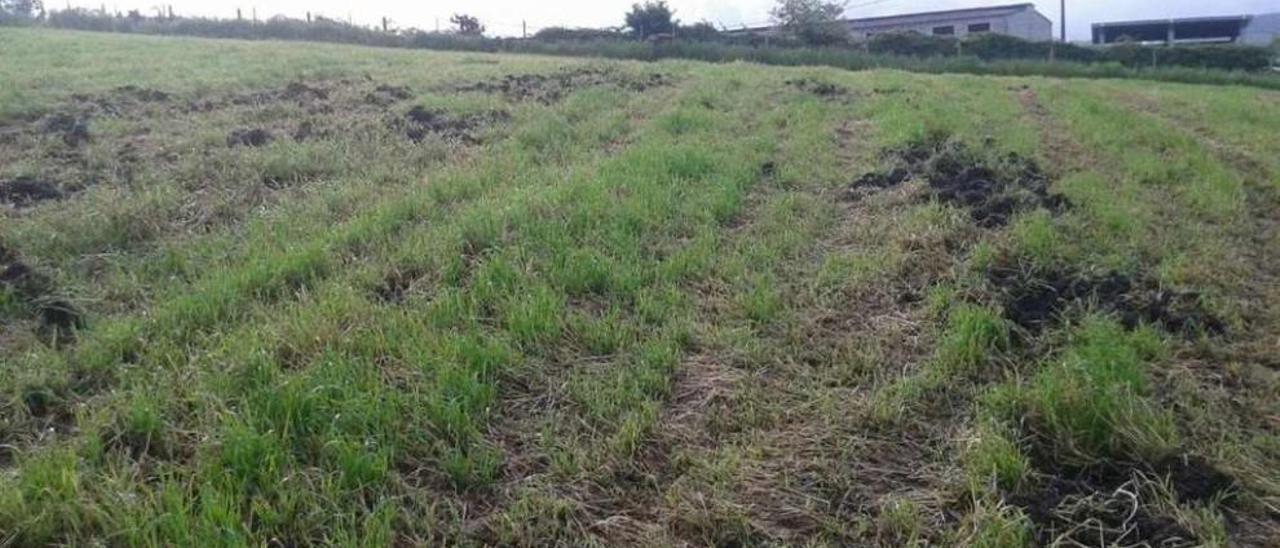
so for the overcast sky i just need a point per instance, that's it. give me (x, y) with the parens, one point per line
(504, 17)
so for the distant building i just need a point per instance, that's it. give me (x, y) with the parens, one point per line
(1246, 29)
(1020, 20)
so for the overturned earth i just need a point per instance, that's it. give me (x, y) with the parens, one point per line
(991, 189)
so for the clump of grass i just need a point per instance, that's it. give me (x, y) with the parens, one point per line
(11, 304)
(972, 336)
(1094, 400)
(993, 524)
(993, 458)
(1035, 236)
(900, 522)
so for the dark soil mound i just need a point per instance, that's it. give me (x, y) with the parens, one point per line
(58, 317)
(420, 122)
(74, 129)
(1100, 504)
(386, 94)
(991, 189)
(768, 169)
(301, 91)
(26, 191)
(1074, 513)
(307, 130)
(249, 137)
(396, 285)
(818, 87)
(298, 92)
(550, 88)
(1036, 298)
(891, 178)
(1194, 479)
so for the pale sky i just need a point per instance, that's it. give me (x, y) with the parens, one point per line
(504, 17)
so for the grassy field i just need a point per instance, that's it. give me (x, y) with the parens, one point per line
(292, 294)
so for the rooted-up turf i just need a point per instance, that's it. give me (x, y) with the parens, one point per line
(991, 189)
(1038, 297)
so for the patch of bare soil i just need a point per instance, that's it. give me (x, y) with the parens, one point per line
(141, 94)
(28, 191)
(420, 122)
(1037, 297)
(72, 128)
(255, 137)
(1106, 503)
(818, 87)
(295, 92)
(334, 109)
(58, 318)
(384, 95)
(551, 88)
(991, 189)
(119, 100)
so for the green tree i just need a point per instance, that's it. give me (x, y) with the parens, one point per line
(467, 25)
(21, 9)
(653, 17)
(816, 22)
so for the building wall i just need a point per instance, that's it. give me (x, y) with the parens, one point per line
(1262, 30)
(1030, 25)
(1027, 24)
(960, 26)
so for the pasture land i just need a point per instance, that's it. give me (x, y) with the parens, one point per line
(289, 294)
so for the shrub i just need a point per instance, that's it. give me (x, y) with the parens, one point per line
(912, 44)
(1224, 57)
(992, 46)
(562, 34)
(698, 32)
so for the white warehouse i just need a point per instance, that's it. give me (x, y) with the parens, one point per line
(1019, 20)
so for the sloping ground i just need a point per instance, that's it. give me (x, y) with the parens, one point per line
(406, 298)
